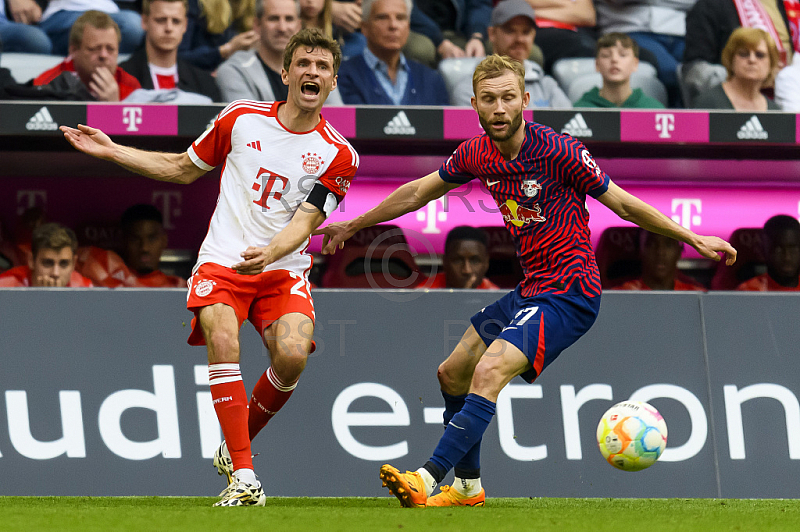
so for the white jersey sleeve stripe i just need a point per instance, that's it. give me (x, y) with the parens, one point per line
(246, 104)
(198, 162)
(338, 136)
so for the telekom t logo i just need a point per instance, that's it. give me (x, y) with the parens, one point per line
(682, 212)
(665, 123)
(27, 199)
(432, 215)
(169, 201)
(132, 116)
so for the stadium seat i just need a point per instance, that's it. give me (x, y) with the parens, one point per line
(375, 257)
(749, 244)
(650, 85)
(570, 69)
(504, 267)
(618, 256)
(25, 67)
(455, 69)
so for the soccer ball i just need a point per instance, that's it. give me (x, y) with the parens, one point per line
(632, 435)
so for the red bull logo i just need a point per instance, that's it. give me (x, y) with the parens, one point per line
(519, 215)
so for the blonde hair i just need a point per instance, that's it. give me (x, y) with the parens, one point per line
(218, 13)
(495, 66)
(244, 13)
(749, 38)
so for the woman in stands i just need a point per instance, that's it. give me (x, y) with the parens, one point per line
(751, 59)
(212, 32)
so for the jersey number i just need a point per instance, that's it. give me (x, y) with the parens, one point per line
(298, 286)
(269, 180)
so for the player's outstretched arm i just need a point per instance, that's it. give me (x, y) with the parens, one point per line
(305, 220)
(632, 209)
(405, 199)
(171, 167)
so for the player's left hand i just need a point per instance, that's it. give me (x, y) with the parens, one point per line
(711, 246)
(255, 260)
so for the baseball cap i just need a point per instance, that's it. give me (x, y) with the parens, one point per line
(505, 10)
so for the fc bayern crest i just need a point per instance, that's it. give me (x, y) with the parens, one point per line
(530, 187)
(204, 288)
(312, 163)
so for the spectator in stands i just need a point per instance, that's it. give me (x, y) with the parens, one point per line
(52, 263)
(751, 60)
(18, 32)
(564, 29)
(465, 262)
(655, 25)
(617, 58)
(659, 255)
(511, 32)
(93, 52)
(256, 74)
(782, 251)
(709, 25)
(211, 36)
(60, 16)
(157, 65)
(787, 86)
(451, 28)
(382, 75)
(143, 242)
(340, 21)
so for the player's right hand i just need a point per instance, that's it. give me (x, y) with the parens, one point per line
(89, 140)
(334, 236)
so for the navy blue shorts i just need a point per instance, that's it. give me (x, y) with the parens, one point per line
(540, 326)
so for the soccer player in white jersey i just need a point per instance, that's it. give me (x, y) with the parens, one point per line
(284, 170)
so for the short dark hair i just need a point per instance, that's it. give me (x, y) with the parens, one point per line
(611, 39)
(53, 236)
(777, 225)
(140, 212)
(466, 232)
(312, 38)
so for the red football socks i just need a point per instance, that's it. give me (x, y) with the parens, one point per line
(269, 396)
(230, 403)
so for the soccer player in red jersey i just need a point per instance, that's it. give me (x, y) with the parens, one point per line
(284, 170)
(539, 179)
(52, 262)
(782, 252)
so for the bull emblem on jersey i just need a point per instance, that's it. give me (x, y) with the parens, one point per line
(518, 215)
(530, 187)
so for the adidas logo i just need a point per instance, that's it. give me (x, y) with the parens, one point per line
(399, 125)
(752, 129)
(577, 127)
(256, 145)
(41, 121)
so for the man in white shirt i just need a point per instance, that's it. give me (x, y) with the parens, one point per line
(157, 65)
(285, 169)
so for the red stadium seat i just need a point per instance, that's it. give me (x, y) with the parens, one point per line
(504, 267)
(618, 256)
(375, 257)
(749, 244)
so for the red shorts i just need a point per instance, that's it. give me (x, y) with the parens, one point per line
(261, 298)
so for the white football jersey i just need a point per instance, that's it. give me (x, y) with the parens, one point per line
(268, 171)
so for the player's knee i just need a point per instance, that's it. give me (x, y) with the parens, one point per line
(446, 377)
(289, 368)
(223, 346)
(488, 377)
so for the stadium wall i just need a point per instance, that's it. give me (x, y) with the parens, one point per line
(101, 395)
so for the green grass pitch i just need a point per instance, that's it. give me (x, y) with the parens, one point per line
(156, 514)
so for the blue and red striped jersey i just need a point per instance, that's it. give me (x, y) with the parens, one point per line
(541, 195)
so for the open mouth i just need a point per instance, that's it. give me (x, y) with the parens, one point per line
(310, 89)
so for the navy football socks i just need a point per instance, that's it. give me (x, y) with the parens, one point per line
(463, 433)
